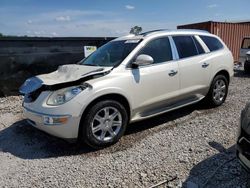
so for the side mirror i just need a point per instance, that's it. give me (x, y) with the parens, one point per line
(142, 60)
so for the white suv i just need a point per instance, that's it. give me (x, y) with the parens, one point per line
(128, 79)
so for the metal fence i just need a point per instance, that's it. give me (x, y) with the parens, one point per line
(23, 57)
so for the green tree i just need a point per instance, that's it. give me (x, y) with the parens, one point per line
(136, 30)
(1, 35)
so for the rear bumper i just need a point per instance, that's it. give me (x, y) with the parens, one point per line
(67, 130)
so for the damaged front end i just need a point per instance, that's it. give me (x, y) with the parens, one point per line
(31, 89)
(65, 77)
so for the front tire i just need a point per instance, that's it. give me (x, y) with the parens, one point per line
(104, 124)
(218, 91)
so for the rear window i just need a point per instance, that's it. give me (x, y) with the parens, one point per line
(212, 43)
(246, 43)
(185, 46)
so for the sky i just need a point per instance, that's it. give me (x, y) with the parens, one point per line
(111, 17)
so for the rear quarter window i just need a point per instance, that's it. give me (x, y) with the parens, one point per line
(246, 43)
(212, 43)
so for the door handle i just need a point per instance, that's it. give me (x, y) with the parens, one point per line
(205, 65)
(172, 72)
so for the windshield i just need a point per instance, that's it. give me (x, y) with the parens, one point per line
(110, 54)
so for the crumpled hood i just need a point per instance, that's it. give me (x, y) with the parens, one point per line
(64, 74)
(68, 73)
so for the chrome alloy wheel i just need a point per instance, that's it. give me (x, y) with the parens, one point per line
(219, 90)
(106, 123)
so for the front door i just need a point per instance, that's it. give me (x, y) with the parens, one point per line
(156, 85)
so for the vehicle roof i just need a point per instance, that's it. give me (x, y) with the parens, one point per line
(167, 32)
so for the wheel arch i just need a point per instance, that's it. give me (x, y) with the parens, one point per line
(225, 73)
(113, 96)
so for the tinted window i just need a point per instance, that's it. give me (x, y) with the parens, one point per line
(159, 50)
(185, 46)
(212, 43)
(246, 43)
(198, 46)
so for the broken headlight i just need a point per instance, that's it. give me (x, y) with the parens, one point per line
(64, 95)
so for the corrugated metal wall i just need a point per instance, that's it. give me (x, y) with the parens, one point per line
(231, 33)
(202, 26)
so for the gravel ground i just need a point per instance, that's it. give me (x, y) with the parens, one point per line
(190, 146)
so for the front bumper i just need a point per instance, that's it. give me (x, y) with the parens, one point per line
(243, 149)
(69, 112)
(67, 129)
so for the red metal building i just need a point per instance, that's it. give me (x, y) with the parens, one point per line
(231, 33)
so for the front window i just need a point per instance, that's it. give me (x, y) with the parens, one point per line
(159, 49)
(111, 54)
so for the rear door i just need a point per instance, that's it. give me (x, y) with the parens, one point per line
(193, 67)
(245, 47)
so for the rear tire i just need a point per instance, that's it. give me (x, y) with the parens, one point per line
(104, 124)
(218, 91)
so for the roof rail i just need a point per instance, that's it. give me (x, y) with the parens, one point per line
(158, 30)
(152, 31)
(198, 30)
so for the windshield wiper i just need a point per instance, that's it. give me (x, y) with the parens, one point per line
(97, 70)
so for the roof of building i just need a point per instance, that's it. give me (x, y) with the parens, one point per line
(226, 22)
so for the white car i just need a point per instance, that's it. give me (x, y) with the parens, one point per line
(128, 79)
